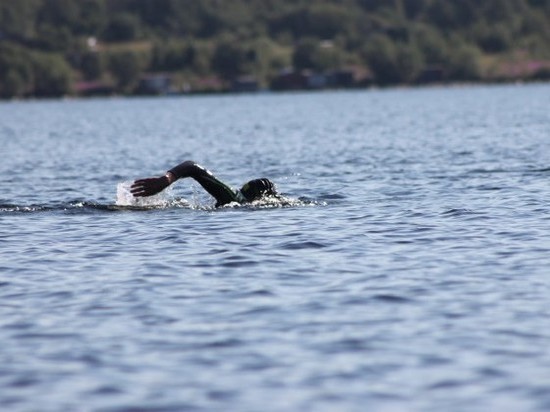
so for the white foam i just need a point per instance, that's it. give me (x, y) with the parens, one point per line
(125, 198)
(268, 202)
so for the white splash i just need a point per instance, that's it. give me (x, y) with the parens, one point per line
(125, 198)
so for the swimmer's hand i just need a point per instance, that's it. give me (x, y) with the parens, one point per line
(150, 186)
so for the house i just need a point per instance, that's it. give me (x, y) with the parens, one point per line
(155, 83)
(342, 78)
(244, 84)
(208, 84)
(315, 80)
(93, 88)
(290, 79)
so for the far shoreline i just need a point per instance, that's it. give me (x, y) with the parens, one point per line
(263, 92)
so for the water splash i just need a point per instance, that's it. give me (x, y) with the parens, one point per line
(269, 202)
(9, 208)
(125, 198)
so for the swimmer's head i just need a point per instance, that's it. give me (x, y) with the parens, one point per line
(256, 189)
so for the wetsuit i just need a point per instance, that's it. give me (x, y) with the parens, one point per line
(252, 190)
(219, 190)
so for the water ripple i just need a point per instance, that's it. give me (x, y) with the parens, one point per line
(411, 253)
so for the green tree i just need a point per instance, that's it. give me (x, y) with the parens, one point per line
(92, 17)
(304, 54)
(431, 44)
(465, 63)
(52, 75)
(382, 57)
(324, 21)
(122, 27)
(168, 17)
(409, 62)
(449, 15)
(92, 65)
(16, 71)
(315, 55)
(172, 56)
(13, 84)
(126, 67)
(328, 20)
(18, 18)
(494, 39)
(54, 38)
(374, 5)
(59, 13)
(414, 8)
(202, 58)
(231, 60)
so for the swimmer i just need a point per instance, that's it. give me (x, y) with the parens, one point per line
(251, 191)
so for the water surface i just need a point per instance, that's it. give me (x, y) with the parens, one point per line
(409, 271)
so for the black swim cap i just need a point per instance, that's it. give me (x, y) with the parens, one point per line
(257, 188)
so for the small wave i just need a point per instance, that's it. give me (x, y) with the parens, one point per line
(509, 170)
(334, 196)
(9, 208)
(391, 298)
(490, 171)
(457, 212)
(275, 202)
(303, 245)
(70, 207)
(541, 170)
(32, 208)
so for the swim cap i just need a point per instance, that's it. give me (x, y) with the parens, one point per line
(257, 188)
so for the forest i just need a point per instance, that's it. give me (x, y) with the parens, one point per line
(53, 48)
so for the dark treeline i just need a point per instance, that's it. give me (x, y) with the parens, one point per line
(63, 47)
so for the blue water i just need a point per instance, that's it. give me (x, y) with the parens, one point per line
(409, 271)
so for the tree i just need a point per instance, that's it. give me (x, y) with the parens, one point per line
(126, 67)
(409, 62)
(327, 20)
(494, 39)
(449, 15)
(18, 18)
(172, 56)
(167, 17)
(92, 65)
(304, 54)
(92, 17)
(432, 45)
(52, 75)
(381, 56)
(315, 55)
(465, 63)
(414, 8)
(230, 59)
(122, 27)
(14, 84)
(16, 71)
(59, 13)
(53, 38)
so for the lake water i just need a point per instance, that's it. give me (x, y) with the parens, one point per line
(410, 271)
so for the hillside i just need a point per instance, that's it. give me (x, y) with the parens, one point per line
(64, 47)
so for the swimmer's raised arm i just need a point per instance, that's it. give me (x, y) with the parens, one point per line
(153, 185)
